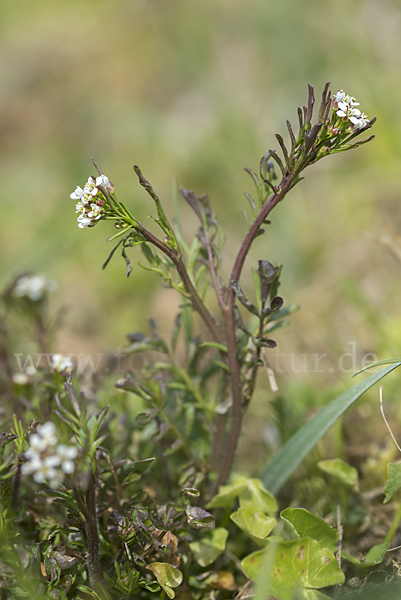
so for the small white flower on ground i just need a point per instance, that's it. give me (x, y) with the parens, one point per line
(44, 470)
(34, 287)
(20, 378)
(66, 455)
(30, 370)
(33, 463)
(37, 444)
(61, 363)
(46, 460)
(57, 479)
(48, 433)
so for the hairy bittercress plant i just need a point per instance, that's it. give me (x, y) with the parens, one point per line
(97, 507)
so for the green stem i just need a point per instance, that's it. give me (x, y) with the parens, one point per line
(393, 527)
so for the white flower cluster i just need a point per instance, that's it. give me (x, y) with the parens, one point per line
(345, 107)
(48, 460)
(61, 363)
(33, 287)
(91, 201)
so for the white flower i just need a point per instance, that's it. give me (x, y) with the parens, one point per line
(347, 111)
(83, 221)
(103, 180)
(361, 122)
(61, 363)
(37, 444)
(33, 463)
(80, 207)
(84, 194)
(48, 433)
(339, 97)
(354, 115)
(45, 469)
(78, 194)
(350, 100)
(95, 213)
(90, 212)
(20, 378)
(24, 378)
(55, 481)
(344, 105)
(46, 461)
(34, 287)
(66, 455)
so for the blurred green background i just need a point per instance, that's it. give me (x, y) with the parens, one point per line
(194, 91)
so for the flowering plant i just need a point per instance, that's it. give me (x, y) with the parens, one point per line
(338, 124)
(144, 504)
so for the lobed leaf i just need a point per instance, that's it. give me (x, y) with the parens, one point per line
(337, 468)
(301, 523)
(209, 546)
(299, 564)
(393, 483)
(256, 525)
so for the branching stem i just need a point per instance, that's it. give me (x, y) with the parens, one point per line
(236, 385)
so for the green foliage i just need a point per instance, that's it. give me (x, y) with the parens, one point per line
(118, 495)
(374, 556)
(393, 483)
(300, 565)
(301, 523)
(209, 546)
(340, 471)
(283, 464)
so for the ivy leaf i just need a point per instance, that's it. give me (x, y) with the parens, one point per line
(222, 580)
(301, 523)
(228, 493)
(337, 468)
(210, 546)
(256, 498)
(298, 564)
(166, 576)
(374, 556)
(393, 483)
(256, 525)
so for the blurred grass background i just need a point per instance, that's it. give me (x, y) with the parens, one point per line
(194, 91)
